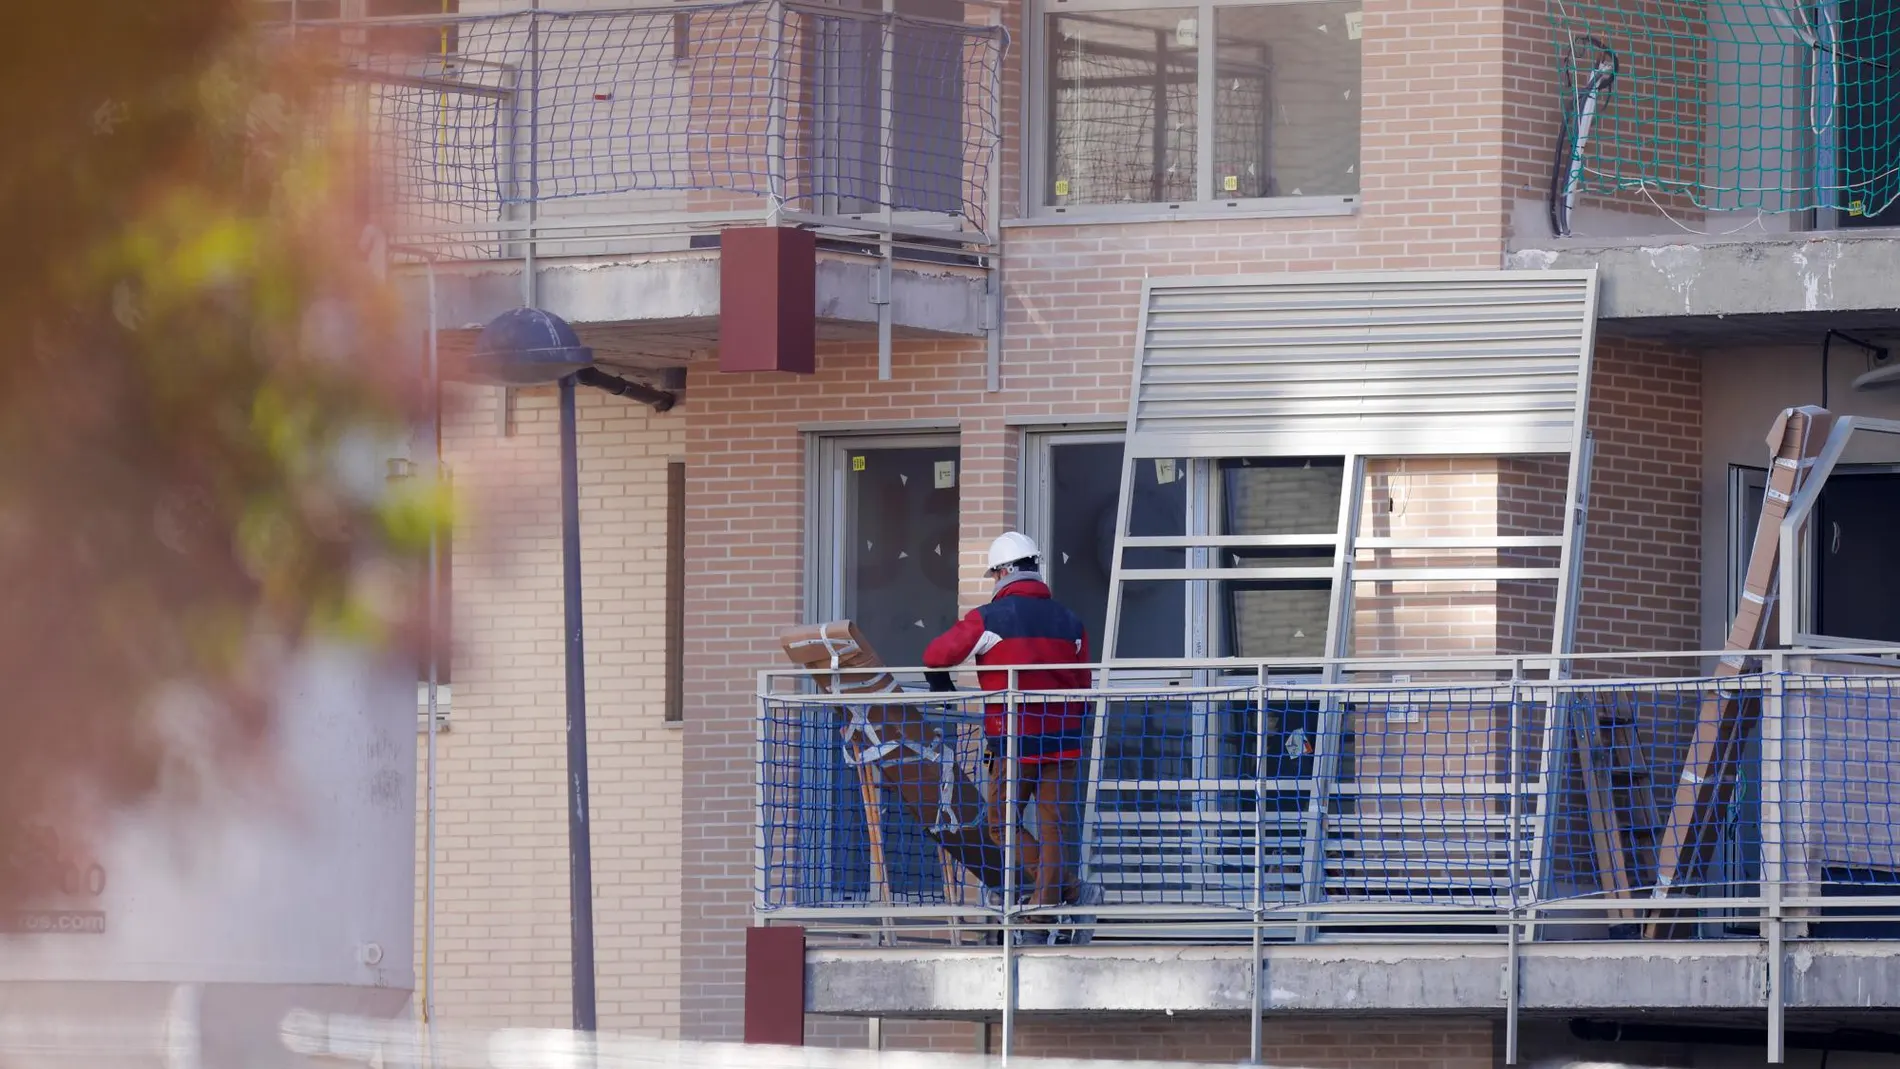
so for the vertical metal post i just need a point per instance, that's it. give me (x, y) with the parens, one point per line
(1553, 756)
(777, 181)
(1332, 717)
(1570, 563)
(1256, 1025)
(1208, 55)
(886, 183)
(993, 227)
(1773, 874)
(1158, 143)
(761, 740)
(1011, 755)
(580, 847)
(434, 375)
(530, 285)
(993, 321)
(1516, 809)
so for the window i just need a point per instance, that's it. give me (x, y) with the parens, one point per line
(1192, 754)
(1217, 103)
(1073, 486)
(883, 534)
(414, 39)
(1866, 87)
(843, 59)
(282, 11)
(1855, 578)
(1072, 482)
(1293, 500)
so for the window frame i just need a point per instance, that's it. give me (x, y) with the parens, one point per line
(823, 595)
(1206, 616)
(1034, 508)
(1035, 122)
(1744, 478)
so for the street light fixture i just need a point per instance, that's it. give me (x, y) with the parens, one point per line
(533, 347)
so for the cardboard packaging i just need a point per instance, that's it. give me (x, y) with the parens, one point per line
(896, 747)
(1708, 772)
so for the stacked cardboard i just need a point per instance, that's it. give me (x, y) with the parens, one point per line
(1722, 723)
(895, 747)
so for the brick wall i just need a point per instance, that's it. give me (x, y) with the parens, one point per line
(1655, 113)
(501, 914)
(1435, 498)
(1642, 548)
(1356, 1043)
(1432, 198)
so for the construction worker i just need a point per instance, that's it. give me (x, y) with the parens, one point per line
(1024, 627)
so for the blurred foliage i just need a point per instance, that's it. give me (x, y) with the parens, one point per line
(194, 410)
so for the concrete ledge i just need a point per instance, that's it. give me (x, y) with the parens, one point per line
(1691, 286)
(1349, 978)
(683, 289)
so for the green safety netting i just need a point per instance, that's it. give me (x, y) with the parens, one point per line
(1732, 105)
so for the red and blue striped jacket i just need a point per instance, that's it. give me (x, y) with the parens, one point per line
(1022, 626)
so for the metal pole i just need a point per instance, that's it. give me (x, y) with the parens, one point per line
(887, 187)
(1256, 1025)
(1011, 836)
(1773, 858)
(580, 852)
(435, 646)
(776, 171)
(993, 228)
(1511, 980)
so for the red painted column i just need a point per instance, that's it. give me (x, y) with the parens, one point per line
(775, 986)
(768, 299)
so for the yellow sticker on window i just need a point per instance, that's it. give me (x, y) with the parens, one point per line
(857, 463)
(1230, 183)
(1062, 187)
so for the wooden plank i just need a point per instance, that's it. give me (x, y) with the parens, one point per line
(1606, 837)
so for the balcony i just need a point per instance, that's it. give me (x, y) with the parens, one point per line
(588, 161)
(1498, 840)
(1729, 167)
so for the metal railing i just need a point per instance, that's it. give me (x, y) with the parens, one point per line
(1486, 799)
(588, 130)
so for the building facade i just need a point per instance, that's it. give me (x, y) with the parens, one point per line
(998, 193)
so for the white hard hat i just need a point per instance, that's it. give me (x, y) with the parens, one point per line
(1010, 547)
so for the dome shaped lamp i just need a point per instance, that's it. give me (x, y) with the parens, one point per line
(528, 347)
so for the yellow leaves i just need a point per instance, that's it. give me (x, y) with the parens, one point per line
(267, 541)
(285, 426)
(413, 509)
(223, 250)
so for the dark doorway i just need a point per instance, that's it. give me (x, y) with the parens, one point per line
(1857, 567)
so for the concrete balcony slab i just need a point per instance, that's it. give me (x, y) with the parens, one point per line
(1351, 978)
(1764, 289)
(663, 310)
